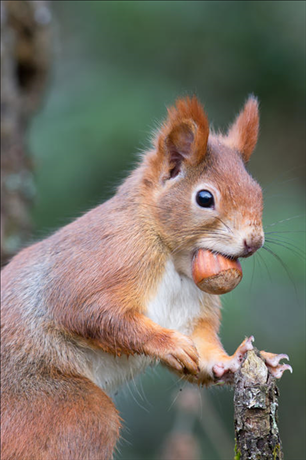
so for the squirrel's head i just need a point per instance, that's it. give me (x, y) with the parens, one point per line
(201, 192)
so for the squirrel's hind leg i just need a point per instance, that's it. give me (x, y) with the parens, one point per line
(73, 419)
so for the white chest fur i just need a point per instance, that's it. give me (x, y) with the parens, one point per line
(176, 305)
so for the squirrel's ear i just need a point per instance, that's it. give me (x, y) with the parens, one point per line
(243, 133)
(184, 135)
(179, 145)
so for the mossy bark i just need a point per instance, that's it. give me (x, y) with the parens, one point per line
(256, 407)
(25, 56)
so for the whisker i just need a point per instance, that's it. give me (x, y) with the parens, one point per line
(178, 393)
(288, 231)
(286, 181)
(266, 266)
(293, 249)
(253, 272)
(224, 224)
(279, 176)
(144, 398)
(283, 265)
(288, 241)
(284, 220)
(200, 233)
(135, 399)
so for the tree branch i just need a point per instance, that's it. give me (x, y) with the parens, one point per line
(256, 405)
(25, 59)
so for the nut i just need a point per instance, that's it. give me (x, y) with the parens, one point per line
(214, 273)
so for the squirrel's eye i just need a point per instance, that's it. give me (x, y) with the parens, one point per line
(205, 199)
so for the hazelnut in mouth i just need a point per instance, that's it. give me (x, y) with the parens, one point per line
(214, 273)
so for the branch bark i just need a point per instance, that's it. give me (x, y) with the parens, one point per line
(25, 56)
(256, 408)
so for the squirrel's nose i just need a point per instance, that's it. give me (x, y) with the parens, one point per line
(249, 250)
(251, 245)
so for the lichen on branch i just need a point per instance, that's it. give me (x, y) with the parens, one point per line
(256, 406)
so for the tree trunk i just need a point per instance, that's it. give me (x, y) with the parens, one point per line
(256, 404)
(25, 53)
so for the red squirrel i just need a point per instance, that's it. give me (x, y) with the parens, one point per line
(88, 308)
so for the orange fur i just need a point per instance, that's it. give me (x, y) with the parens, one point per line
(208, 345)
(70, 419)
(243, 134)
(85, 292)
(182, 137)
(187, 128)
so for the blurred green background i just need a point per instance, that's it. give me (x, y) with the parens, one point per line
(116, 66)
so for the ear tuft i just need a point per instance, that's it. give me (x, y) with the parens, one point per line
(243, 133)
(188, 108)
(184, 135)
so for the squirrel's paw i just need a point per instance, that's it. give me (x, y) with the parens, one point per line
(272, 362)
(181, 354)
(224, 370)
(177, 352)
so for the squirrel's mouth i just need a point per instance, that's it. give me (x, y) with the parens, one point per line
(222, 254)
(214, 272)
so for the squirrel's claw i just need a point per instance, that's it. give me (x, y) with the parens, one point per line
(278, 371)
(245, 346)
(224, 371)
(272, 362)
